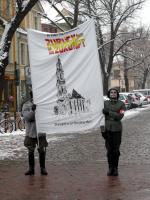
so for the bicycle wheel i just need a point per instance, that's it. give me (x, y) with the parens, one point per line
(6, 126)
(21, 125)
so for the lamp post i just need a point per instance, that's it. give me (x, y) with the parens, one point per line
(17, 82)
(27, 74)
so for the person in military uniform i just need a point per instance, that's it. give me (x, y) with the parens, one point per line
(32, 139)
(114, 111)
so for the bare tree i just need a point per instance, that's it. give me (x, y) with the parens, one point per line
(110, 16)
(75, 5)
(138, 58)
(127, 52)
(116, 14)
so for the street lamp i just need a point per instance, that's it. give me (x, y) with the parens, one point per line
(17, 82)
(27, 74)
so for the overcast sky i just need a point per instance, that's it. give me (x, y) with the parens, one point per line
(145, 13)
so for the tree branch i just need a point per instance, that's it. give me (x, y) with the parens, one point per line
(19, 4)
(63, 17)
(129, 40)
(3, 22)
(45, 16)
(128, 12)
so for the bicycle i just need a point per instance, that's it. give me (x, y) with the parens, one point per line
(7, 124)
(20, 122)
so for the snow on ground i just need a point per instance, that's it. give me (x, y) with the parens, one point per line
(128, 114)
(133, 112)
(11, 144)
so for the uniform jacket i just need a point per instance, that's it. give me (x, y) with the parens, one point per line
(29, 117)
(116, 112)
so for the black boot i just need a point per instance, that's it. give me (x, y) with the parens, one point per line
(110, 164)
(31, 164)
(115, 172)
(115, 164)
(42, 163)
(110, 171)
(43, 171)
(29, 172)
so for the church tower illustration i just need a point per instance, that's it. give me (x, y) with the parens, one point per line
(68, 103)
(61, 83)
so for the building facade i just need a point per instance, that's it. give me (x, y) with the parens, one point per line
(18, 55)
(117, 78)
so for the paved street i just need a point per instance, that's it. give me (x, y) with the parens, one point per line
(77, 167)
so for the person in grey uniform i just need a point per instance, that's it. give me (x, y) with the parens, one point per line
(32, 139)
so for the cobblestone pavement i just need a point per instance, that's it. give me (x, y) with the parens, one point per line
(74, 181)
(77, 167)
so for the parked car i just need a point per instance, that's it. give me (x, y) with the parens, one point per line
(124, 97)
(143, 99)
(145, 92)
(130, 99)
(133, 100)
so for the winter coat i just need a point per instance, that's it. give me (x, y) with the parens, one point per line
(29, 117)
(116, 111)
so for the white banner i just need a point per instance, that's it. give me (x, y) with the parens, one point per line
(66, 79)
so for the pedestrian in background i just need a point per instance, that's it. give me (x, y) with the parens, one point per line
(114, 111)
(32, 139)
(5, 107)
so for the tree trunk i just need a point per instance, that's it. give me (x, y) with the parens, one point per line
(126, 80)
(126, 73)
(1, 88)
(76, 14)
(105, 85)
(144, 78)
(3, 65)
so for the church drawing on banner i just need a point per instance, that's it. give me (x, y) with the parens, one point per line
(68, 103)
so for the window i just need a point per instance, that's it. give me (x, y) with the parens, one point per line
(0, 7)
(36, 22)
(10, 57)
(27, 56)
(116, 74)
(49, 28)
(8, 7)
(23, 54)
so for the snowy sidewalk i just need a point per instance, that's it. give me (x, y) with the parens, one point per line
(11, 144)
